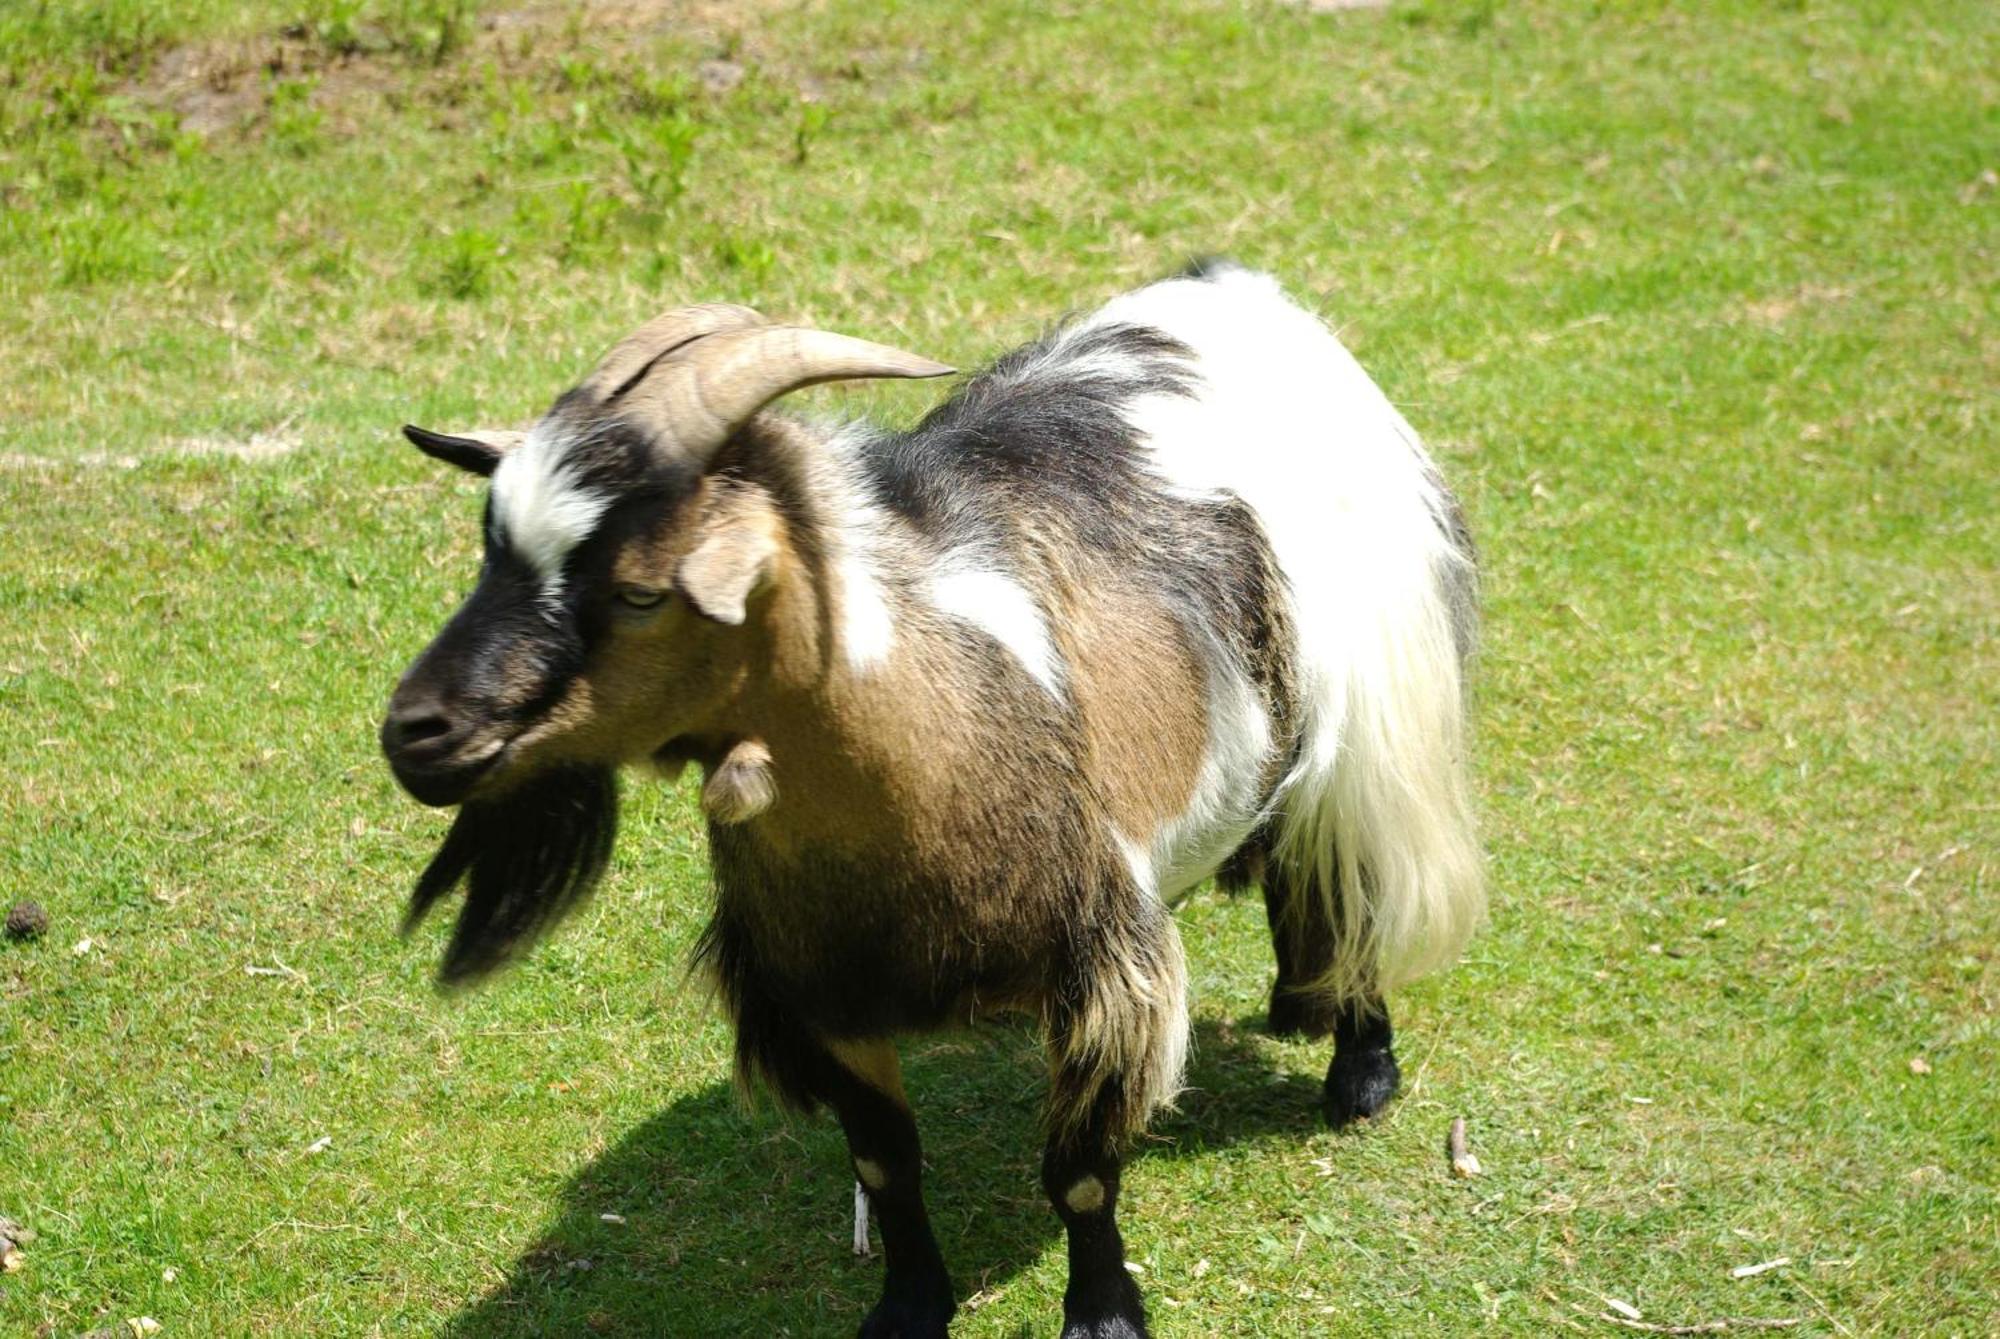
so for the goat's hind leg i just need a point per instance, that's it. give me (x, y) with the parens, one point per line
(1363, 1075)
(862, 1081)
(1303, 942)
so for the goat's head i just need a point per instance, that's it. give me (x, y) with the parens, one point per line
(620, 566)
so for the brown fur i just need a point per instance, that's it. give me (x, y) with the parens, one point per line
(670, 672)
(738, 543)
(1144, 719)
(968, 816)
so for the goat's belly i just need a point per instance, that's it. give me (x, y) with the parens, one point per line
(854, 954)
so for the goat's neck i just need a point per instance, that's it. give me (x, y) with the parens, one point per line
(856, 731)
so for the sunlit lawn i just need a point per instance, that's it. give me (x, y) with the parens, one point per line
(1697, 305)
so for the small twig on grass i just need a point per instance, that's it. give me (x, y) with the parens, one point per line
(1717, 1326)
(1462, 1160)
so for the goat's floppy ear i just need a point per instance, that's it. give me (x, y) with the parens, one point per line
(478, 452)
(733, 559)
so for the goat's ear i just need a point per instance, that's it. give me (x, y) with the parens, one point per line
(478, 452)
(733, 559)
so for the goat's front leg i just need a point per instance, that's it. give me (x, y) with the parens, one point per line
(1080, 1174)
(1116, 1044)
(864, 1085)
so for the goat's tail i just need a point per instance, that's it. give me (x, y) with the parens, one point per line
(1375, 827)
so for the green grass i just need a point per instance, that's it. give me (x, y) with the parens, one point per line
(1697, 304)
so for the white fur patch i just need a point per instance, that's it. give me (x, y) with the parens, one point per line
(866, 622)
(1284, 418)
(1085, 1195)
(867, 628)
(1137, 859)
(861, 1246)
(1001, 607)
(539, 508)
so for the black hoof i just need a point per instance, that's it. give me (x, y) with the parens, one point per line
(908, 1318)
(1359, 1084)
(1112, 1311)
(1294, 1015)
(1105, 1327)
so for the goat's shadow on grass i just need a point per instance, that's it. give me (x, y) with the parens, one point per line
(740, 1222)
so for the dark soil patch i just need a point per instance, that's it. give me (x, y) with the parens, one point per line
(224, 86)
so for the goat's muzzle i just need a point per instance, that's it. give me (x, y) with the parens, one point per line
(437, 755)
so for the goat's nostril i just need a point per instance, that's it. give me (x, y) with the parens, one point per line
(427, 745)
(416, 730)
(416, 726)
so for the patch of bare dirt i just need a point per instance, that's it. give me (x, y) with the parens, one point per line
(218, 86)
(1776, 310)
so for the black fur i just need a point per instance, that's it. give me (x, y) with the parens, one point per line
(1461, 581)
(466, 453)
(1304, 944)
(511, 651)
(1035, 464)
(1032, 430)
(528, 858)
(1363, 1075)
(1101, 1300)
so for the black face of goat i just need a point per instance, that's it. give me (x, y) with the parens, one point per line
(547, 678)
(497, 667)
(571, 649)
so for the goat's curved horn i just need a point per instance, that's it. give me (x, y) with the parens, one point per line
(696, 398)
(632, 355)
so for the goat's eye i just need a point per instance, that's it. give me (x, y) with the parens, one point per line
(639, 597)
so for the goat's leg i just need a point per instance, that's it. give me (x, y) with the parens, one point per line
(1303, 942)
(1363, 1075)
(1080, 1174)
(863, 1083)
(1117, 1040)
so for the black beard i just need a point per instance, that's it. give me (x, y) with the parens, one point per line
(528, 857)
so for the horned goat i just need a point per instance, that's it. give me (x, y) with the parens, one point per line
(1170, 593)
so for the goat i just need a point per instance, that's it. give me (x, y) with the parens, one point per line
(1173, 592)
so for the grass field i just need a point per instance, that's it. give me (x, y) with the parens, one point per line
(1695, 302)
